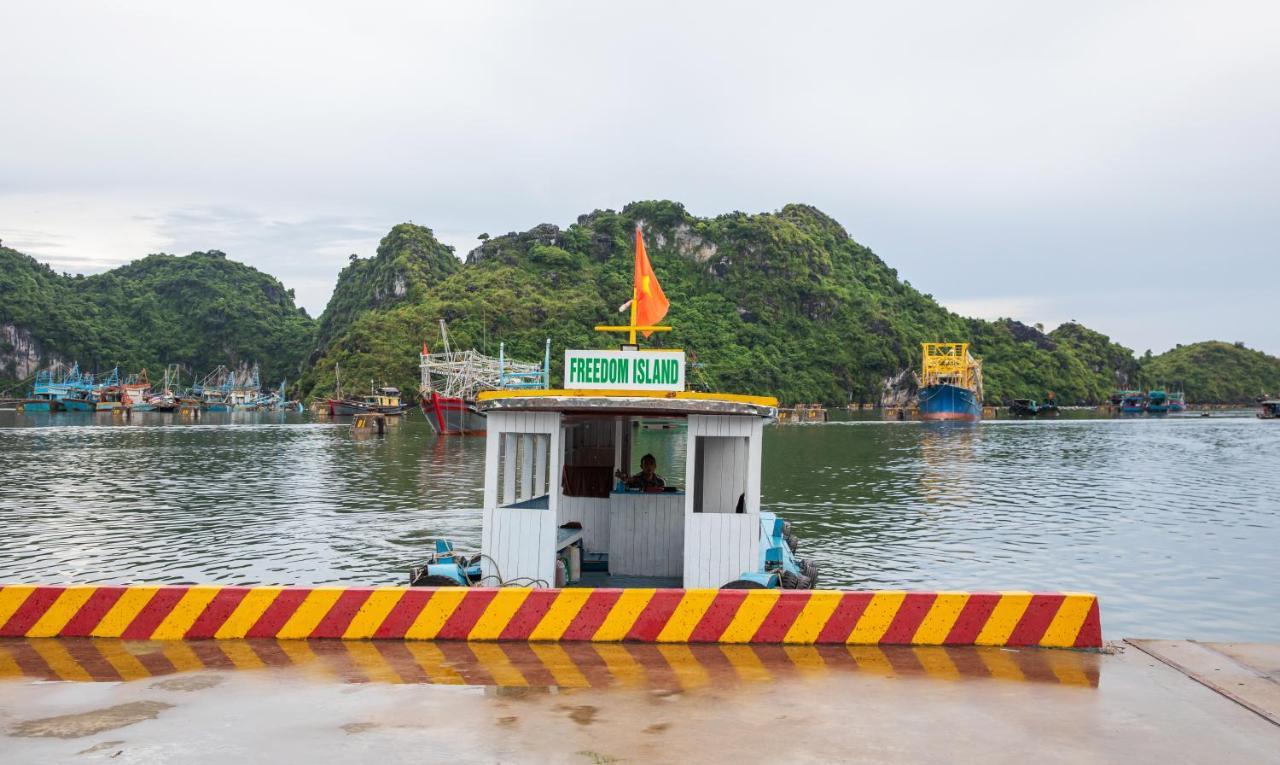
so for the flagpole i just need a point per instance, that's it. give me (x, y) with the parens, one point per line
(634, 295)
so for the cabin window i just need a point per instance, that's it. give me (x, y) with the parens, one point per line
(720, 474)
(523, 472)
(593, 449)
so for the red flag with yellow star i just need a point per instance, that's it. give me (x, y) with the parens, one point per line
(650, 302)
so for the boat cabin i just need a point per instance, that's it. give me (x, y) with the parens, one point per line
(552, 481)
(385, 396)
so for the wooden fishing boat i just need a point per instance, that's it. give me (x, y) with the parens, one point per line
(449, 382)
(1024, 407)
(385, 400)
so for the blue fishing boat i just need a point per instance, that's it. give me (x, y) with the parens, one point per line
(79, 403)
(1157, 402)
(951, 383)
(50, 387)
(79, 393)
(1177, 401)
(1132, 402)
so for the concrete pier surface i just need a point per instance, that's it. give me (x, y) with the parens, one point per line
(84, 700)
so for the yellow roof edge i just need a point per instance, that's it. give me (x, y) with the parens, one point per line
(689, 395)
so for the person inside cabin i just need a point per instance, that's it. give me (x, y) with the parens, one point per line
(647, 479)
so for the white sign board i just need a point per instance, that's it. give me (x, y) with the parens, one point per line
(624, 370)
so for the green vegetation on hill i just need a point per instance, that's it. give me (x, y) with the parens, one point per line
(200, 310)
(1215, 372)
(783, 303)
(408, 263)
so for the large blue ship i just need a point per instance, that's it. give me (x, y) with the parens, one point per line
(950, 383)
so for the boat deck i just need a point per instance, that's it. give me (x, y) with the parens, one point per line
(603, 579)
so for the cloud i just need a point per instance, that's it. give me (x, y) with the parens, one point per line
(988, 151)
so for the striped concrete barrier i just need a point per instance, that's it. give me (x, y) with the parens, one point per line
(1057, 620)
(534, 665)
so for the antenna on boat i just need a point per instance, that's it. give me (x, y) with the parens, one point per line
(648, 303)
(444, 336)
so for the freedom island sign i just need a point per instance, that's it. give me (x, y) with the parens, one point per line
(624, 370)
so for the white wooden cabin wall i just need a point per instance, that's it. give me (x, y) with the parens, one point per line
(719, 547)
(646, 535)
(522, 546)
(720, 544)
(519, 542)
(724, 472)
(730, 467)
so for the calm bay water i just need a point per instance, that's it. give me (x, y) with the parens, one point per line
(1175, 522)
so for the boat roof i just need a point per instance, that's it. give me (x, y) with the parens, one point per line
(674, 403)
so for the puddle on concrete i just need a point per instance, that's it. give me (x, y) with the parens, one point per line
(105, 746)
(89, 723)
(583, 714)
(191, 683)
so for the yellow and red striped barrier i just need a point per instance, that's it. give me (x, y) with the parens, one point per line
(532, 665)
(1058, 620)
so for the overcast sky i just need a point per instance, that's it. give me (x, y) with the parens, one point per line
(1115, 163)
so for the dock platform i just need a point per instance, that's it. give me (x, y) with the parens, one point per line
(352, 701)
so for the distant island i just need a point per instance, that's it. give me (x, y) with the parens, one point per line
(783, 303)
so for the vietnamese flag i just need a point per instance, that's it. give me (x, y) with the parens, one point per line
(650, 302)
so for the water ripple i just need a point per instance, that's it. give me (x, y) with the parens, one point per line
(1174, 522)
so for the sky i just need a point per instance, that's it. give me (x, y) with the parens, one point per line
(1113, 163)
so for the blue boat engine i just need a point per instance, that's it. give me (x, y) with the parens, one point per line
(445, 568)
(779, 566)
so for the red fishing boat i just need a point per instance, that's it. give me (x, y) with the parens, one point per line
(451, 380)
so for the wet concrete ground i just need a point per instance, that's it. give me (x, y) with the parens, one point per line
(253, 701)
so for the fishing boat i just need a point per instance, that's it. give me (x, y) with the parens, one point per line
(211, 390)
(1050, 406)
(1024, 407)
(1177, 401)
(244, 391)
(385, 400)
(135, 391)
(167, 398)
(1269, 409)
(449, 382)
(106, 395)
(1132, 402)
(564, 504)
(1157, 401)
(50, 387)
(950, 383)
(78, 395)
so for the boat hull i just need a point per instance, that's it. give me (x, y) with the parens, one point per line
(940, 403)
(38, 406)
(345, 408)
(78, 405)
(450, 416)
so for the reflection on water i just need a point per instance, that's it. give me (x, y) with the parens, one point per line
(532, 665)
(1174, 522)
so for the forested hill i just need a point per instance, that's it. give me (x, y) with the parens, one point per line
(1215, 372)
(199, 310)
(783, 303)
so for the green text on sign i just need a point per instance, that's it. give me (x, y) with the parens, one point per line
(624, 370)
